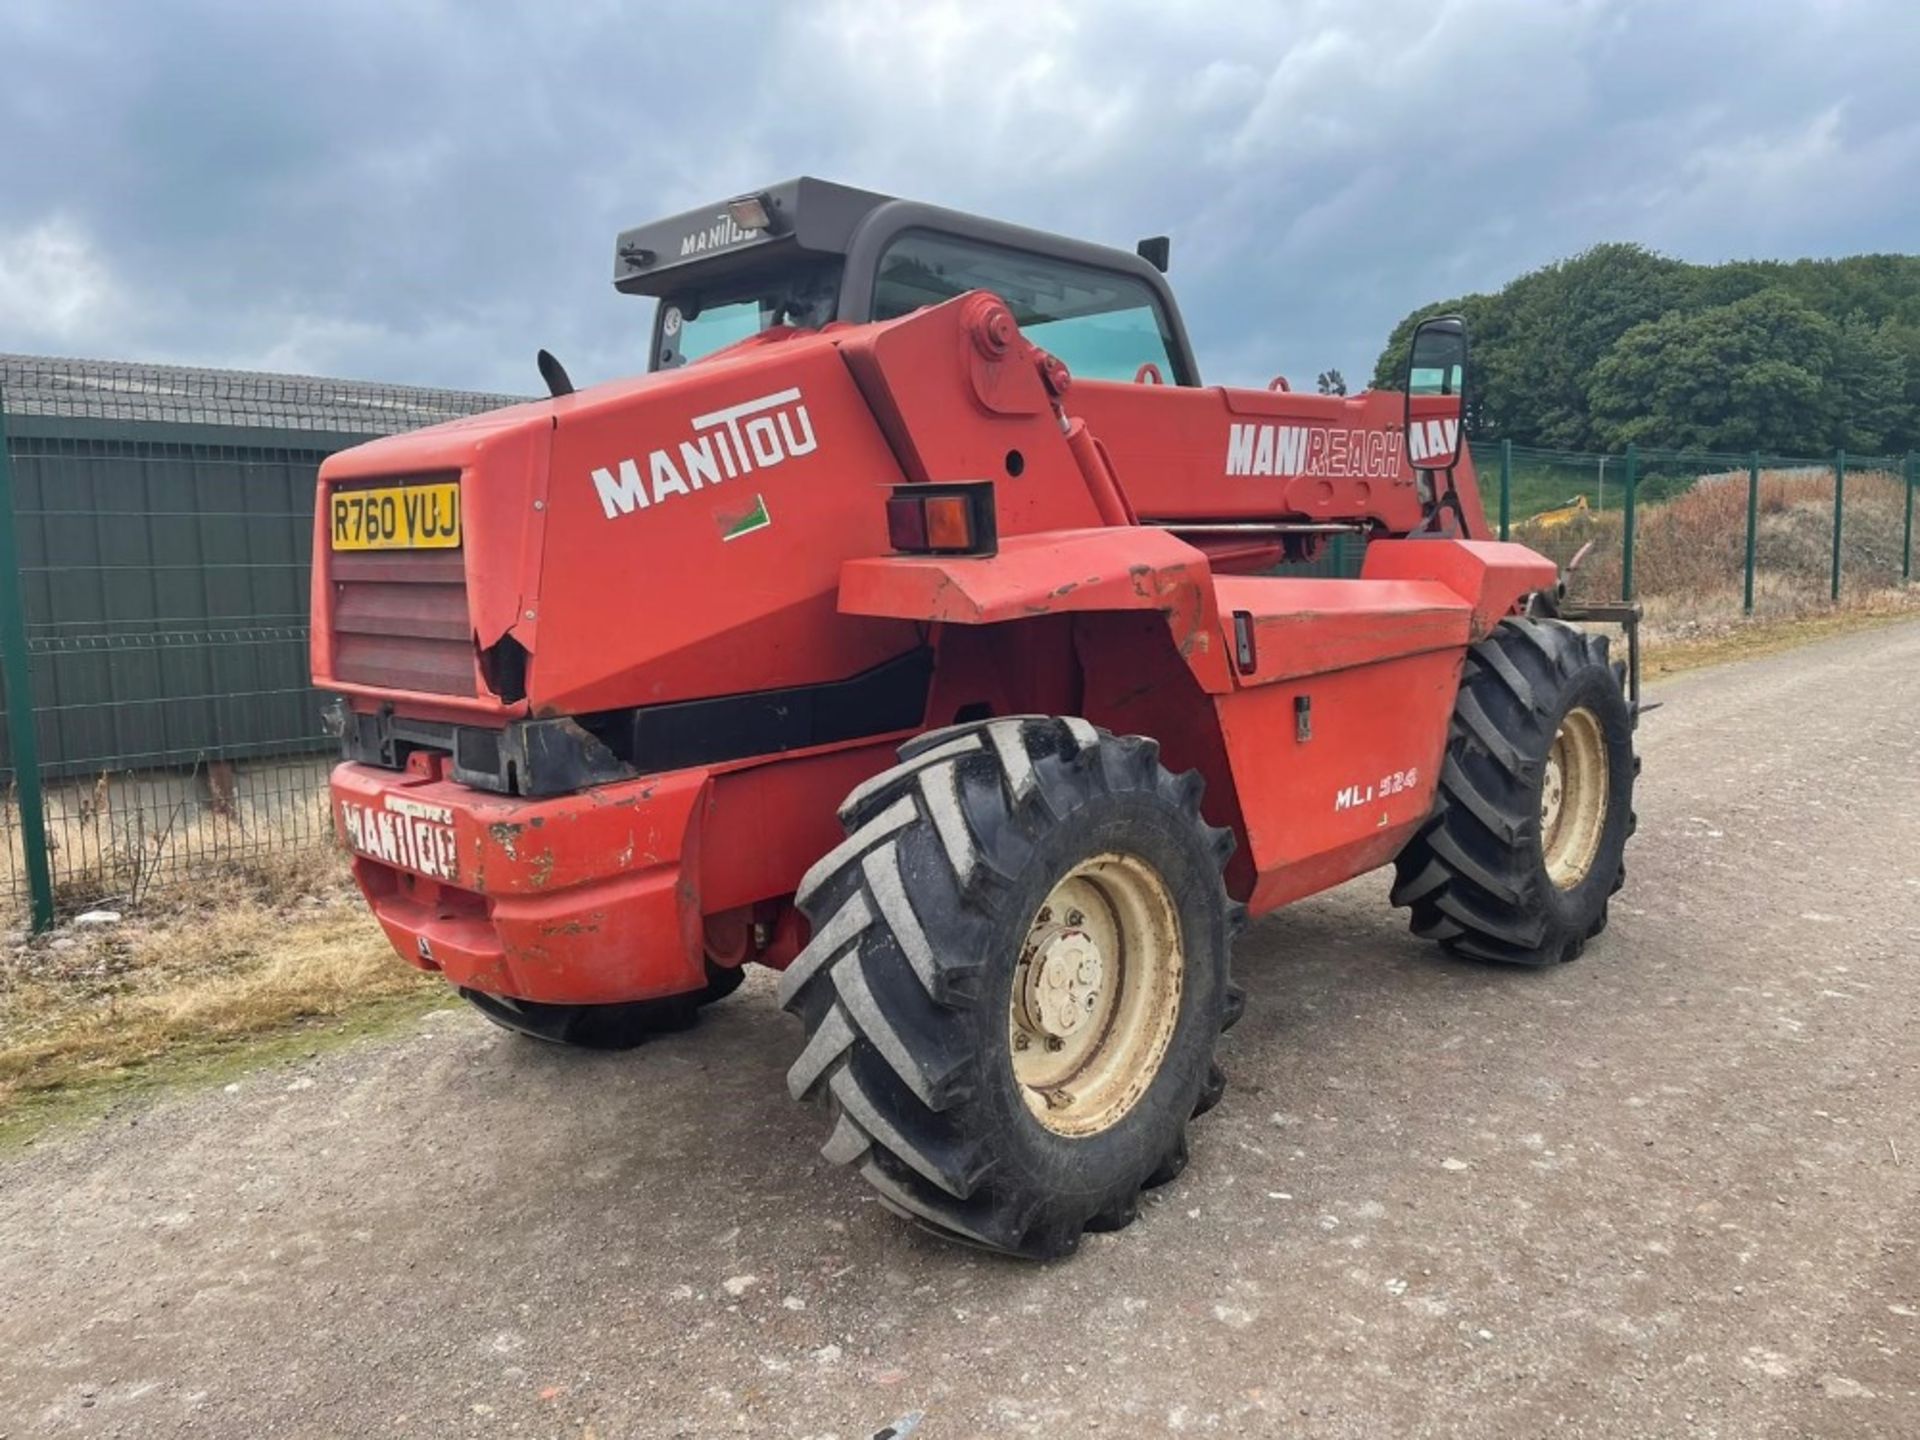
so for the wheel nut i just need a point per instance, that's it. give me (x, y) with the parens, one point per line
(1054, 1042)
(1019, 1041)
(1074, 917)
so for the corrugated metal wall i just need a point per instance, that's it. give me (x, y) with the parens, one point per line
(162, 518)
(165, 589)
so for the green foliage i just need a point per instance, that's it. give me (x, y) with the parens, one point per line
(1619, 344)
(1745, 376)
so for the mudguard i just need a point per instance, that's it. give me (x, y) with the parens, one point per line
(1490, 575)
(1054, 573)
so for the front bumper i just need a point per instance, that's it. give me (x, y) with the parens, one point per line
(587, 898)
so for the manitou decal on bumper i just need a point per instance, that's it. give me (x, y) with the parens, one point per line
(404, 832)
(726, 444)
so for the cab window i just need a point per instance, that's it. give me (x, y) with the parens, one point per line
(713, 328)
(1105, 326)
(1436, 379)
(695, 324)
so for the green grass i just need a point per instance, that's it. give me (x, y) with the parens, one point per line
(205, 1061)
(249, 966)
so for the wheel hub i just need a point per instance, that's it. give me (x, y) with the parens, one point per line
(1573, 798)
(1552, 791)
(1064, 982)
(1096, 994)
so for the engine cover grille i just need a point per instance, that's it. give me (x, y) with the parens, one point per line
(400, 621)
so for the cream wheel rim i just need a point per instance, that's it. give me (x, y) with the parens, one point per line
(1573, 798)
(1096, 994)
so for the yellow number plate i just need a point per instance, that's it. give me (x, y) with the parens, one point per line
(398, 517)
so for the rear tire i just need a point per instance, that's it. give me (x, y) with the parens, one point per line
(606, 1027)
(1018, 973)
(1535, 802)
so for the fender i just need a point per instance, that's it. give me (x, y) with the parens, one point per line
(1491, 575)
(1122, 567)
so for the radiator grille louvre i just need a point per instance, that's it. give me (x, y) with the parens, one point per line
(400, 621)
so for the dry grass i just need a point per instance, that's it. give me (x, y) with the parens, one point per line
(1669, 655)
(1691, 553)
(274, 948)
(120, 837)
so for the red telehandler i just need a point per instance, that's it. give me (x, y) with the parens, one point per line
(919, 626)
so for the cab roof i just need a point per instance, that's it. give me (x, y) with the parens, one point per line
(809, 217)
(704, 251)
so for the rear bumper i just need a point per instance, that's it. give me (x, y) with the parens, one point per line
(589, 898)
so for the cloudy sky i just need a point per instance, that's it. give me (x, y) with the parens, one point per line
(427, 192)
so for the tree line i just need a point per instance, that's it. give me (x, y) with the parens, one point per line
(1620, 345)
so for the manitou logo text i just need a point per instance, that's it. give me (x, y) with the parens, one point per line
(1435, 438)
(754, 435)
(1318, 450)
(717, 236)
(404, 832)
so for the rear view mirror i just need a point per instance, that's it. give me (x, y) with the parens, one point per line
(1436, 386)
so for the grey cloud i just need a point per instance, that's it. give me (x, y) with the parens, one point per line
(427, 192)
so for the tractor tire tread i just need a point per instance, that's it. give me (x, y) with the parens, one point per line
(1470, 876)
(882, 985)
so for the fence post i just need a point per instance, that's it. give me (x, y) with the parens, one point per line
(23, 739)
(1753, 528)
(1626, 543)
(1839, 506)
(1506, 488)
(1906, 538)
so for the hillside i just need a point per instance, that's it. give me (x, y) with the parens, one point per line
(1620, 345)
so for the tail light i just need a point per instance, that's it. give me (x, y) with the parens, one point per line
(943, 519)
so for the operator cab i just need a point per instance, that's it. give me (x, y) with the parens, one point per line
(807, 253)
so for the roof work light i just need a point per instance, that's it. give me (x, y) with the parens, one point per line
(752, 212)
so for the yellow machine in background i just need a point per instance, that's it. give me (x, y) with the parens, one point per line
(1566, 514)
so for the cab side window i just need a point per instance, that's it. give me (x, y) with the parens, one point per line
(1105, 326)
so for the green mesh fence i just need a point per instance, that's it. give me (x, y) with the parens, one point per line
(1715, 535)
(158, 527)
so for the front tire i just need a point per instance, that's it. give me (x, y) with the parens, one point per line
(1018, 972)
(1527, 839)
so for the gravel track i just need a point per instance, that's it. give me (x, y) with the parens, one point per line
(1670, 1190)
